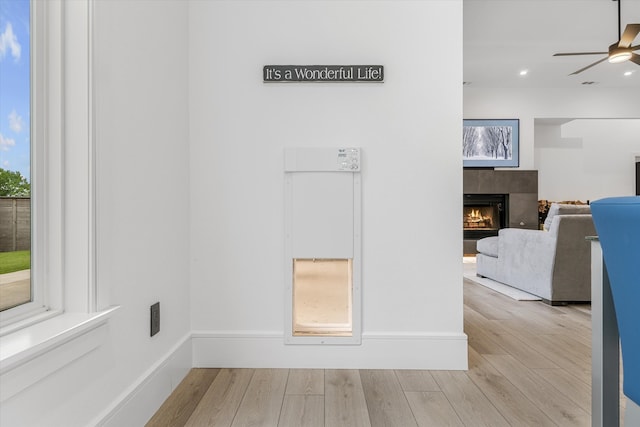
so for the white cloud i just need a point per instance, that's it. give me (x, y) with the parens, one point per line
(5, 163)
(9, 41)
(15, 122)
(5, 143)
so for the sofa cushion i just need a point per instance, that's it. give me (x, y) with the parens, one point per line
(561, 209)
(488, 246)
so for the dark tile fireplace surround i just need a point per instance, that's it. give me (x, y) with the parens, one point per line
(495, 199)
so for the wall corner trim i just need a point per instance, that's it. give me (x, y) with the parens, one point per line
(138, 402)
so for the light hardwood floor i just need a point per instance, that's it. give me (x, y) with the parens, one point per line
(529, 365)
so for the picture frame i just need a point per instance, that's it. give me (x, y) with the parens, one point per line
(491, 143)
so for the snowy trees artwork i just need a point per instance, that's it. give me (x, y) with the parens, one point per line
(487, 142)
(490, 143)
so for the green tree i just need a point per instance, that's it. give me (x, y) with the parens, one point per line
(13, 184)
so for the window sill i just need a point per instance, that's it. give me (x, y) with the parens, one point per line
(62, 339)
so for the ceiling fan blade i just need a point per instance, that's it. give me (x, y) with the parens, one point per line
(635, 58)
(635, 47)
(580, 53)
(630, 33)
(589, 66)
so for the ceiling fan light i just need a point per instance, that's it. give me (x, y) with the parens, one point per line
(617, 57)
(619, 54)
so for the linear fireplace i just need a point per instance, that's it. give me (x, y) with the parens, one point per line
(484, 214)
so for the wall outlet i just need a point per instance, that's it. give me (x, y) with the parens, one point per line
(155, 318)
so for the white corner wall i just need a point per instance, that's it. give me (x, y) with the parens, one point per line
(591, 164)
(409, 131)
(141, 72)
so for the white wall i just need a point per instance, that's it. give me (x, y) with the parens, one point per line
(408, 128)
(528, 105)
(587, 159)
(141, 77)
(141, 132)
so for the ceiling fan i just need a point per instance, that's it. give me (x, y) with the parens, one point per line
(620, 51)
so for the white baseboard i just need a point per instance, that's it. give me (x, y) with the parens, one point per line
(214, 349)
(136, 405)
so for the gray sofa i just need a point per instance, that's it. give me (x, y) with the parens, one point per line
(554, 263)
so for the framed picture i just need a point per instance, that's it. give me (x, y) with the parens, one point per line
(490, 143)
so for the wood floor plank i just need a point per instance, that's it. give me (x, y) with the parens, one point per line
(544, 314)
(305, 381)
(519, 348)
(471, 405)
(554, 349)
(386, 401)
(431, 408)
(506, 343)
(263, 399)
(486, 302)
(219, 404)
(570, 348)
(553, 323)
(580, 309)
(416, 380)
(475, 318)
(575, 324)
(541, 319)
(557, 406)
(511, 402)
(179, 406)
(345, 403)
(302, 411)
(576, 390)
(481, 341)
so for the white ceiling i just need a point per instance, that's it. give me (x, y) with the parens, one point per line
(503, 37)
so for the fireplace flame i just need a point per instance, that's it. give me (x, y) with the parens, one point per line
(476, 216)
(475, 219)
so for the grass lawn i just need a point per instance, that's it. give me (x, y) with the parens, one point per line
(14, 261)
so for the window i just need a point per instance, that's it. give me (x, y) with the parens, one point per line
(62, 171)
(65, 303)
(31, 68)
(15, 154)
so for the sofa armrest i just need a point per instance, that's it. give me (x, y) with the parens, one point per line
(526, 259)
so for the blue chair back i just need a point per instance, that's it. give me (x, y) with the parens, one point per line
(617, 222)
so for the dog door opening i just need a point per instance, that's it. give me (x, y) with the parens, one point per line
(322, 297)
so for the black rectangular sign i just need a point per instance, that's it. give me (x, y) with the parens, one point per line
(323, 73)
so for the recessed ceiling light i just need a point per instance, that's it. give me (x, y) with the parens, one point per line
(524, 72)
(628, 73)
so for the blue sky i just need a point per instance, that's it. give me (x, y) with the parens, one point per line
(15, 114)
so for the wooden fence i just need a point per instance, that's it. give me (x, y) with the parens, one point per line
(15, 224)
